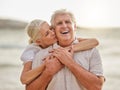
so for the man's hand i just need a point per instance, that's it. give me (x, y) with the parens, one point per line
(52, 65)
(65, 56)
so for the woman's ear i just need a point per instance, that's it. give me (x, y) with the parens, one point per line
(38, 41)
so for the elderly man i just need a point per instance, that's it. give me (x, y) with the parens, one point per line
(81, 71)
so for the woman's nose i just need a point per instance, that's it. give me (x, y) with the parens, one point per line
(52, 32)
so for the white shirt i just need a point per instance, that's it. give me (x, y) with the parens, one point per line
(64, 79)
(30, 52)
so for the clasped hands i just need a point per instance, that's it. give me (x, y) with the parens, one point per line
(58, 58)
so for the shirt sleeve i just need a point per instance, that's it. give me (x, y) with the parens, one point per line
(96, 63)
(29, 53)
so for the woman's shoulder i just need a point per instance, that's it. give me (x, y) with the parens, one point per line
(29, 52)
(33, 46)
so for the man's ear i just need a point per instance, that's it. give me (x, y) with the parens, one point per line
(75, 26)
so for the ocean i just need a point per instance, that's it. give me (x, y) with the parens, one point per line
(13, 42)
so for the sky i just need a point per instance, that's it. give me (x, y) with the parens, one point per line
(88, 13)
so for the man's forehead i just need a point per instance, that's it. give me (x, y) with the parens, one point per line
(62, 17)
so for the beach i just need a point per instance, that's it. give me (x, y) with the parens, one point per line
(13, 42)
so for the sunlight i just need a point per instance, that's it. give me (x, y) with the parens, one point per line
(89, 13)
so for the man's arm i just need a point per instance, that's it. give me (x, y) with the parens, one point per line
(40, 83)
(89, 80)
(52, 67)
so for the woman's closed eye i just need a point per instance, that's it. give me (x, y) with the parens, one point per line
(47, 33)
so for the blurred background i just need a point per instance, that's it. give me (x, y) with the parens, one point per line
(95, 19)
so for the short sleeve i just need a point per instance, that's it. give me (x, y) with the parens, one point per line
(96, 63)
(29, 53)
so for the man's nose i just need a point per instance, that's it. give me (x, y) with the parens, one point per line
(64, 24)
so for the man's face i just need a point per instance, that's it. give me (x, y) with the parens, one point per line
(64, 29)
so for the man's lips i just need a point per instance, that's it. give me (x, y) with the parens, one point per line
(64, 32)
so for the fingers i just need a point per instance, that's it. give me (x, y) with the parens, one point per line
(61, 54)
(63, 51)
(71, 50)
(51, 51)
